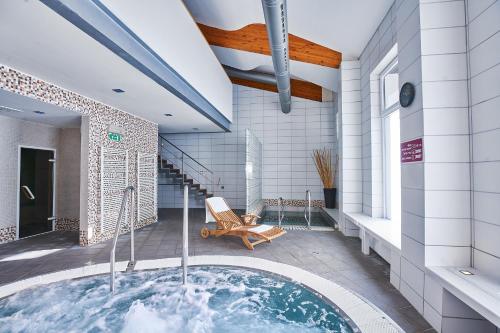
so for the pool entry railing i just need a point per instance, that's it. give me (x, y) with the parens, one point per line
(307, 209)
(185, 231)
(281, 211)
(129, 192)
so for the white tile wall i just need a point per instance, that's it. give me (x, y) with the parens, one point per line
(484, 45)
(350, 145)
(379, 45)
(287, 139)
(446, 143)
(436, 203)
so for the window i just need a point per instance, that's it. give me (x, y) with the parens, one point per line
(389, 84)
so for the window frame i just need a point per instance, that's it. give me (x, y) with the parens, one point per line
(385, 112)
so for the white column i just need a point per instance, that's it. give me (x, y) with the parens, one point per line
(350, 173)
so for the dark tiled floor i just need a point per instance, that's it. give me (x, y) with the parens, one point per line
(328, 254)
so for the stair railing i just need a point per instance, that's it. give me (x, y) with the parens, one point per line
(188, 166)
(128, 191)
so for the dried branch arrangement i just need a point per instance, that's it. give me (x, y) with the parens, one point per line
(323, 161)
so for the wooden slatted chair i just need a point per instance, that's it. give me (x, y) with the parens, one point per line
(228, 223)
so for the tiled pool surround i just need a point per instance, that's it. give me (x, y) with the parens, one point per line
(326, 254)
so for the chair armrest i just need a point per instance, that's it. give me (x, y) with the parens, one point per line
(249, 219)
(251, 215)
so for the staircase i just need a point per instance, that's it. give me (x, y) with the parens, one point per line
(176, 168)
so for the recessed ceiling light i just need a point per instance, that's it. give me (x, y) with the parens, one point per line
(118, 90)
(195, 128)
(168, 115)
(39, 112)
(464, 272)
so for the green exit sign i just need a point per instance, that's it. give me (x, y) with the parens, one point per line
(116, 137)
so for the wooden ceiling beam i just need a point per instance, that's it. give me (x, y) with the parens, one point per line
(300, 88)
(253, 38)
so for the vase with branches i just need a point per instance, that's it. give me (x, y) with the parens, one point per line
(326, 168)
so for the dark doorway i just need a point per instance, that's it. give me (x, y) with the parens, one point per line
(36, 196)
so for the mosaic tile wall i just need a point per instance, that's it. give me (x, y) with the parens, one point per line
(140, 136)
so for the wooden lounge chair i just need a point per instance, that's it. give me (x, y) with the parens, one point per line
(228, 223)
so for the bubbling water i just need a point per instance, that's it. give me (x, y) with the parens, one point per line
(216, 299)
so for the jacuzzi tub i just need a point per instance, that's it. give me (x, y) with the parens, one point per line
(226, 294)
(217, 299)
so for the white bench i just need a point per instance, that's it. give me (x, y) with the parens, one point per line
(478, 291)
(382, 230)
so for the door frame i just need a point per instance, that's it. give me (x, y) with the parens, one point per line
(18, 186)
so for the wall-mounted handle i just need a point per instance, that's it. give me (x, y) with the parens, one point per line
(27, 192)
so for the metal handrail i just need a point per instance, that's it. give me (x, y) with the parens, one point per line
(183, 153)
(307, 209)
(185, 230)
(281, 211)
(112, 257)
(172, 154)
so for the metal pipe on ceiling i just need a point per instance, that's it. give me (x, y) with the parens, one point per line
(250, 75)
(275, 14)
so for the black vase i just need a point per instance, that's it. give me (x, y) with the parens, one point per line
(330, 197)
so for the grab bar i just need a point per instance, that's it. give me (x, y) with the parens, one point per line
(281, 211)
(129, 190)
(307, 209)
(185, 231)
(27, 192)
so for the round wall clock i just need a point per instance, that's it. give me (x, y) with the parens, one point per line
(407, 94)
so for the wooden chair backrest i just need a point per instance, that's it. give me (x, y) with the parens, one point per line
(226, 219)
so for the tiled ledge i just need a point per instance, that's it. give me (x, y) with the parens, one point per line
(383, 230)
(333, 213)
(480, 292)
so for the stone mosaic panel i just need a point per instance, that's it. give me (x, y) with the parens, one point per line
(7, 234)
(147, 186)
(67, 224)
(294, 203)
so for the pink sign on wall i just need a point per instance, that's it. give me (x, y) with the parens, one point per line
(412, 151)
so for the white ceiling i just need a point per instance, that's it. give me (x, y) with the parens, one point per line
(36, 40)
(22, 107)
(158, 26)
(342, 25)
